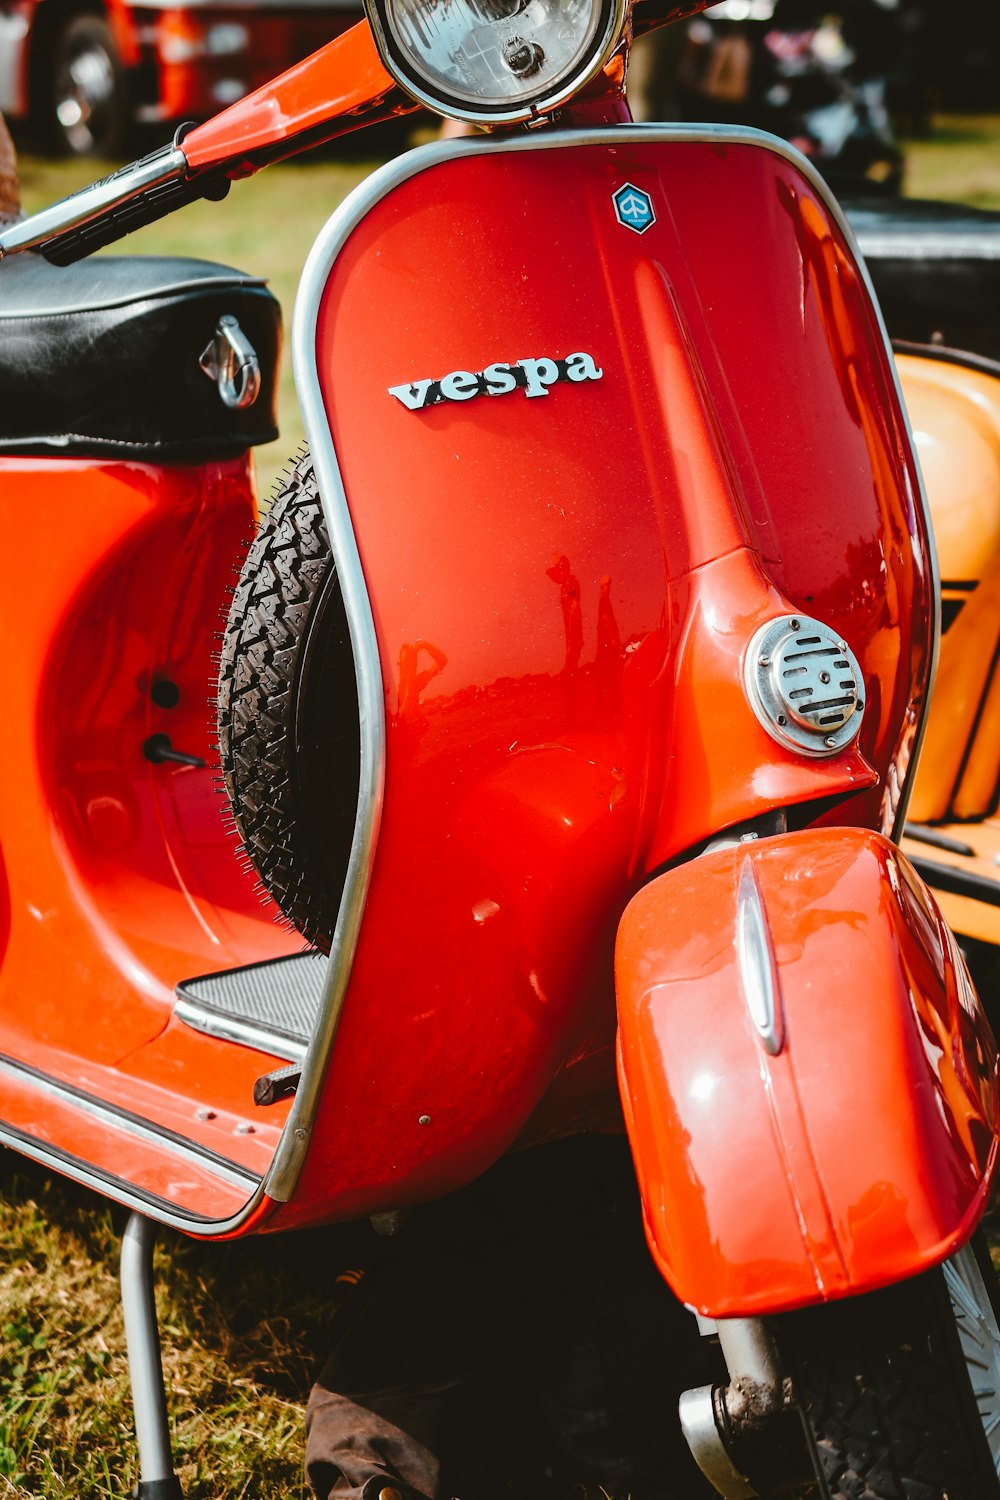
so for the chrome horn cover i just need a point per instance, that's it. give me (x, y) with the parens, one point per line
(805, 685)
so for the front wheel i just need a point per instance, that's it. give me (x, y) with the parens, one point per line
(900, 1390)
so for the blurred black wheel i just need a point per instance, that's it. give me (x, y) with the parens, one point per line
(86, 106)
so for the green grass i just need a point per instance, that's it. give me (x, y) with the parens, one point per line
(244, 1325)
(960, 161)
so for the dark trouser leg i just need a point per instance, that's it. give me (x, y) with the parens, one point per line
(527, 1302)
(353, 1445)
(399, 1395)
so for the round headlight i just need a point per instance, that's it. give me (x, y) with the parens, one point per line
(499, 60)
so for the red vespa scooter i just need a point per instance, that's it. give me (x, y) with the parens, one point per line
(601, 614)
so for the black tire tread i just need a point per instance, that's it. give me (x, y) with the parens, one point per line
(288, 583)
(886, 1399)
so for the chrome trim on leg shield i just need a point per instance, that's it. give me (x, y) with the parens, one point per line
(283, 1175)
(279, 1183)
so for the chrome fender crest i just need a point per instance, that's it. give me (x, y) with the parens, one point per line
(532, 376)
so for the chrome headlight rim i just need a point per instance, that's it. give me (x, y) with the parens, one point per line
(396, 62)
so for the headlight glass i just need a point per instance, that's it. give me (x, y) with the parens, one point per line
(494, 57)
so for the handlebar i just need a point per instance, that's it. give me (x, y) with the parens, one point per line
(105, 211)
(340, 88)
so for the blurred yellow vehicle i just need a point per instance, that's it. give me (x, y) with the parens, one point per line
(936, 269)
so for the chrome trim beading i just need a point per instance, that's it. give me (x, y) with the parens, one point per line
(757, 964)
(127, 1124)
(232, 1029)
(290, 1154)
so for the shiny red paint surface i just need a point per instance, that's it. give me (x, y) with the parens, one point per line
(563, 590)
(345, 76)
(859, 1154)
(118, 876)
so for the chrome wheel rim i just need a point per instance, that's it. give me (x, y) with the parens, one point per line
(84, 97)
(979, 1336)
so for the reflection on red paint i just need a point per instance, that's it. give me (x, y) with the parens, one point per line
(412, 678)
(569, 602)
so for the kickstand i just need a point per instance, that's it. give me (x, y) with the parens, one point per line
(157, 1480)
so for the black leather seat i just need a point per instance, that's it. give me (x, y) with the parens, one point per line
(102, 357)
(936, 270)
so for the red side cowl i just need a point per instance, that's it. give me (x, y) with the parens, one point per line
(847, 1142)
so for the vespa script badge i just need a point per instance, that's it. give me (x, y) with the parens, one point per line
(532, 376)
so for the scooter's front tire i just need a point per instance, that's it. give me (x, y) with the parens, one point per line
(288, 711)
(900, 1390)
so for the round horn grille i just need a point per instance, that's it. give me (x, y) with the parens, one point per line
(805, 685)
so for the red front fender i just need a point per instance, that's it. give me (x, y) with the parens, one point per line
(809, 1081)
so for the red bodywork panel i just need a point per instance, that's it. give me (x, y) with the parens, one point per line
(342, 78)
(117, 876)
(564, 586)
(863, 1150)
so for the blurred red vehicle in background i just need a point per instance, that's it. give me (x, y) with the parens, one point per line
(84, 73)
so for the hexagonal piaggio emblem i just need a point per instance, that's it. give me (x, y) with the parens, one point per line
(633, 208)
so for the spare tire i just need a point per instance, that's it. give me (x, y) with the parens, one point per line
(288, 711)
